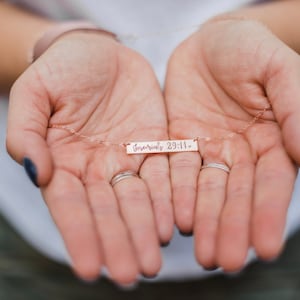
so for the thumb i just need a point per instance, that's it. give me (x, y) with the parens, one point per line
(28, 115)
(283, 91)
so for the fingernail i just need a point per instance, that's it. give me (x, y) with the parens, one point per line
(164, 244)
(88, 281)
(30, 169)
(186, 234)
(149, 276)
(212, 268)
(128, 286)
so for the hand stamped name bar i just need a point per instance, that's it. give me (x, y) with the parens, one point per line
(162, 146)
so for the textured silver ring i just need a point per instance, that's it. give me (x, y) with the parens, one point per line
(217, 166)
(123, 175)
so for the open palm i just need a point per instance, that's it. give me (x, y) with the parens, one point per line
(219, 80)
(93, 85)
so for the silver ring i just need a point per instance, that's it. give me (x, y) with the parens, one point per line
(216, 165)
(123, 175)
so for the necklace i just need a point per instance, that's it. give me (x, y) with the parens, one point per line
(161, 146)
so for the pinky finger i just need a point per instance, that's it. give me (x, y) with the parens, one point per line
(66, 199)
(273, 190)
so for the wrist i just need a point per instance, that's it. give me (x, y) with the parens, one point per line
(280, 17)
(55, 32)
(233, 17)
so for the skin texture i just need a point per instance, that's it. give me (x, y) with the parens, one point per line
(99, 88)
(218, 80)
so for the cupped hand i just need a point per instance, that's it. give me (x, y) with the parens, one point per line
(219, 81)
(91, 84)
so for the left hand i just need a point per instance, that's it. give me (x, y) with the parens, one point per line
(218, 80)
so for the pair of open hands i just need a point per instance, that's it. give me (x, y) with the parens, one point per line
(217, 81)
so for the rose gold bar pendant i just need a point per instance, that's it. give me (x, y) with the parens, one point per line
(162, 146)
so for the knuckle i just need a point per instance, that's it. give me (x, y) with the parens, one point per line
(210, 184)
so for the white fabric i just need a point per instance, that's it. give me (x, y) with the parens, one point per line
(159, 25)
(153, 28)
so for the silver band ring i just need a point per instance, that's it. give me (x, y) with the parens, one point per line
(123, 175)
(216, 165)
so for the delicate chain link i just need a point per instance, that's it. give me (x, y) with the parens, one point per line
(239, 131)
(124, 144)
(86, 137)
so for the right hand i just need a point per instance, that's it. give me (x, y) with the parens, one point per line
(100, 88)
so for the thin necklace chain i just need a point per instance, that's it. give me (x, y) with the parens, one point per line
(239, 131)
(95, 140)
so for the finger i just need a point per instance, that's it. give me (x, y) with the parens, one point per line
(155, 173)
(66, 199)
(28, 116)
(184, 175)
(135, 205)
(115, 240)
(274, 181)
(211, 197)
(234, 227)
(283, 90)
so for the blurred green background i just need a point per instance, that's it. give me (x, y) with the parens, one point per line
(25, 274)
